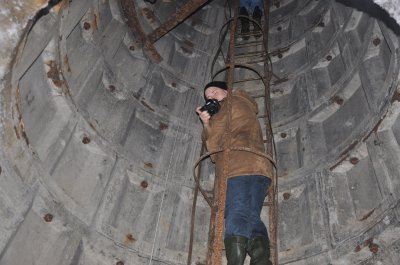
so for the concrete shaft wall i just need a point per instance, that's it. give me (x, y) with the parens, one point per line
(98, 143)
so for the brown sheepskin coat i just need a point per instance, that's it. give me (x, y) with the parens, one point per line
(245, 132)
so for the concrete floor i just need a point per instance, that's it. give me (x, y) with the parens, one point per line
(98, 143)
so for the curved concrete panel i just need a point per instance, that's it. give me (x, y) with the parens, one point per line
(98, 143)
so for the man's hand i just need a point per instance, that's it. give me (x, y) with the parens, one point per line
(204, 116)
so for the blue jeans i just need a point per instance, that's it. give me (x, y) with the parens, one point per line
(244, 201)
(251, 4)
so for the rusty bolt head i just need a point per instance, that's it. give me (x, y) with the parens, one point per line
(48, 217)
(86, 25)
(280, 55)
(357, 249)
(286, 196)
(373, 248)
(132, 48)
(120, 263)
(111, 88)
(338, 100)
(162, 126)
(144, 184)
(86, 140)
(130, 237)
(148, 164)
(329, 57)
(376, 41)
(354, 160)
(396, 97)
(279, 28)
(368, 242)
(173, 84)
(283, 135)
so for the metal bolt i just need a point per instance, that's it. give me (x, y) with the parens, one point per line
(280, 55)
(354, 160)
(329, 57)
(86, 25)
(132, 48)
(48, 217)
(376, 41)
(373, 248)
(173, 84)
(130, 237)
(286, 196)
(338, 100)
(112, 88)
(148, 164)
(162, 126)
(368, 242)
(120, 263)
(86, 140)
(396, 97)
(144, 184)
(283, 135)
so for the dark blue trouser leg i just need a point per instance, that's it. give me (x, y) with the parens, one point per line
(244, 201)
(251, 4)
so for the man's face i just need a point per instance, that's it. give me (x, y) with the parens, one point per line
(215, 93)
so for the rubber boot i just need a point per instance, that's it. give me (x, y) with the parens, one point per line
(257, 13)
(258, 249)
(235, 249)
(245, 23)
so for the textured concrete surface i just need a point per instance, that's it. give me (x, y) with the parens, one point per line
(98, 144)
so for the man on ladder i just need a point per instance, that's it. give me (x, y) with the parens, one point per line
(255, 8)
(249, 174)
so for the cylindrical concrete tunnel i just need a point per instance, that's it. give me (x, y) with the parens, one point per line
(98, 141)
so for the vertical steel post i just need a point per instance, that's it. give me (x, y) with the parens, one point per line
(214, 256)
(273, 191)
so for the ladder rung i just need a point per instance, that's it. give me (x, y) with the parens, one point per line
(249, 44)
(269, 204)
(248, 54)
(248, 79)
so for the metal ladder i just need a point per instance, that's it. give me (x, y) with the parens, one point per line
(253, 70)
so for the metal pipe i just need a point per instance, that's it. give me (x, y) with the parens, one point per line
(273, 191)
(180, 15)
(222, 185)
(129, 11)
(193, 214)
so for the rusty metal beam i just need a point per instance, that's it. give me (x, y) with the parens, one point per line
(217, 243)
(273, 191)
(180, 15)
(129, 11)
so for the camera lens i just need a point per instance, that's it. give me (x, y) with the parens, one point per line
(212, 106)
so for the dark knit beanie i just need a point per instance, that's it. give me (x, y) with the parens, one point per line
(219, 84)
